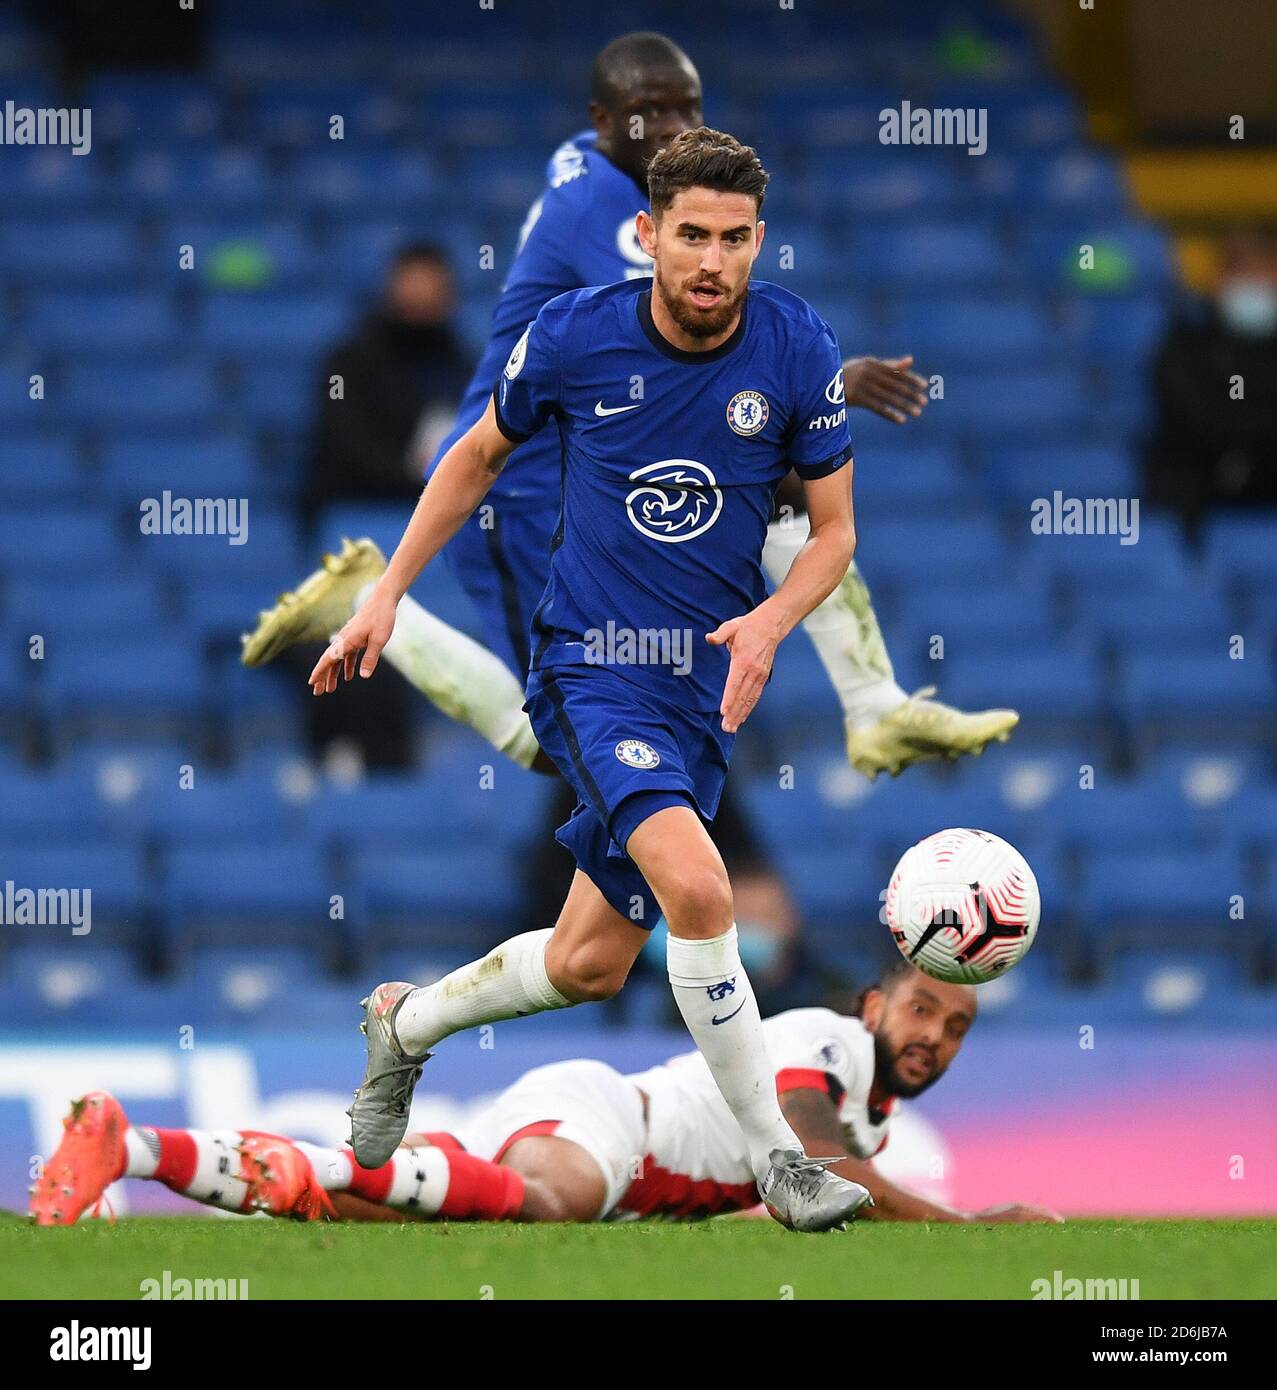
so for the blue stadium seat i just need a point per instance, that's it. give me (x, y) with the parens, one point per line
(1181, 618)
(1121, 331)
(924, 257)
(46, 809)
(1033, 403)
(921, 553)
(367, 183)
(154, 110)
(201, 181)
(119, 895)
(1149, 896)
(278, 398)
(1127, 255)
(144, 689)
(236, 891)
(64, 251)
(270, 549)
(1016, 477)
(991, 622)
(246, 254)
(90, 984)
(301, 117)
(412, 894)
(1242, 547)
(136, 395)
(902, 480)
(295, 325)
(868, 183)
(975, 328)
(74, 603)
(60, 540)
(1086, 180)
(1166, 698)
(85, 325)
(34, 467)
(1093, 566)
(54, 180)
(136, 466)
(1059, 693)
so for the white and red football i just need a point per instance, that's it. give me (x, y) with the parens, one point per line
(963, 906)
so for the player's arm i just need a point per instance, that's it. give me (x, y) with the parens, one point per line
(816, 572)
(814, 1119)
(455, 489)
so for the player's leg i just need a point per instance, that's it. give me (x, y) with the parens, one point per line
(236, 1170)
(712, 990)
(431, 1178)
(679, 860)
(466, 681)
(886, 728)
(594, 949)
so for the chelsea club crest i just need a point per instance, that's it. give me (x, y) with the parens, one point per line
(747, 412)
(634, 752)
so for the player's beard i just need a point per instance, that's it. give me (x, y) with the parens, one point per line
(695, 322)
(888, 1076)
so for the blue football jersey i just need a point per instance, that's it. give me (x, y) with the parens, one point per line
(670, 462)
(579, 232)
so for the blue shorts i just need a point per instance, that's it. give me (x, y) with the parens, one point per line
(504, 569)
(626, 754)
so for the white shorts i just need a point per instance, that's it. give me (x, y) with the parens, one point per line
(588, 1103)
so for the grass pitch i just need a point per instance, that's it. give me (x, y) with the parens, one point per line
(712, 1260)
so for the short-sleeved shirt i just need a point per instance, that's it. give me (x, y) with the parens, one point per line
(670, 461)
(696, 1157)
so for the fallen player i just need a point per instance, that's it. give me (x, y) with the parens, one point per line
(573, 1141)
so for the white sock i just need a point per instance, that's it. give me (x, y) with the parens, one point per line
(216, 1180)
(710, 984)
(466, 681)
(844, 629)
(419, 1177)
(509, 982)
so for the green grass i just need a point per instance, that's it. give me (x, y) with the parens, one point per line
(717, 1259)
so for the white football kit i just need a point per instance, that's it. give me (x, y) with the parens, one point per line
(664, 1139)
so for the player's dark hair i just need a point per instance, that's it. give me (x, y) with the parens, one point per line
(893, 975)
(705, 158)
(628, 60)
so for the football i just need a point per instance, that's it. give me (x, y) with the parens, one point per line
(963, 905)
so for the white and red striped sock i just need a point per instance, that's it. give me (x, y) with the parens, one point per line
(200, 1165)
(436, 1179)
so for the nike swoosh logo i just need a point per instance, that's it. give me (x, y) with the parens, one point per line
(602, 410)
(716, 1020)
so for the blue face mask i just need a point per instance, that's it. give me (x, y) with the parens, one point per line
(1249, 307)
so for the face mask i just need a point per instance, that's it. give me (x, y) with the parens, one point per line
(1249, 307)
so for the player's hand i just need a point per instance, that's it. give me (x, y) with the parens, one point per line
(1015, 1213)
(884, 385)
(368, 631)
(752, 642)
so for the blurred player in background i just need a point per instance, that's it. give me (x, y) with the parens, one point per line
(645, 91)
(573, 1141)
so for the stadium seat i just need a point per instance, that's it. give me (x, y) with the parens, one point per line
(140, 395)
(138, 323)
(1164, 699)
(103, 888)
(284, 325)
(235, 892)
(133, 466)
(1242, 548)
(974, 328)
(1016, 477)
(59, 540)
(34, 467)
(62, 251)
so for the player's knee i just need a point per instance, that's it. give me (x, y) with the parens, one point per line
(698, 901)
(588, 974)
